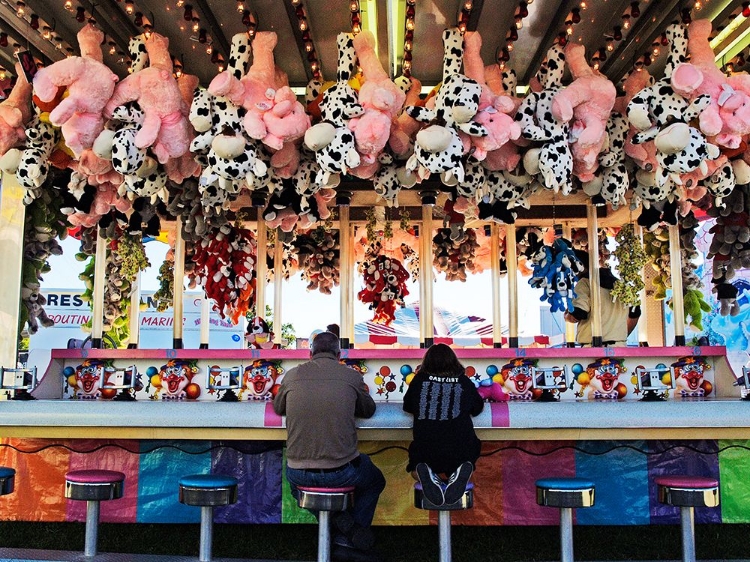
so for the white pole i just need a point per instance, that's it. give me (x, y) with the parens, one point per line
(570, 328)
(13, 213)
(596, 305)
(135, 312)
(205, 321)
(512, 260)
(345, 278)
(675, 262)
(643, 321)
(179, 285)
(425, 305)
(278, 278)
(97, 304)
(497, 328)
(261, 268)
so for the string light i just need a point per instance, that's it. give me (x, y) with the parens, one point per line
(20, 9)
(180, 3)
(635, 10)
(17, 48)
(196, 24)
(47, 32)
(80, 15)
(129, 7)
(112, 48)
(617, 33)
(177, 64)
(58, 43)
(209, 49)
(655, 48)
(626, 21)
(34, 23)
(583, 5)
(147, 30)
(202, 36)
(519, 22)
(3, 75)
(187, 15)
(68, 5)
(576, 15)
(610, 44)
(138, 21)
(69, 52)
(240, 6)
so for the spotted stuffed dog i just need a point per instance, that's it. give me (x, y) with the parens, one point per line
(537, 124)
(438, 148)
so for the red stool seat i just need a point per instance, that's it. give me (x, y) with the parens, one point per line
(694, 482)
(94, 476)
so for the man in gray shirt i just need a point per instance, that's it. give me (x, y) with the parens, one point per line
(321, 399)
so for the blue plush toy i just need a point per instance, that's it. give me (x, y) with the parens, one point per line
(556, 269)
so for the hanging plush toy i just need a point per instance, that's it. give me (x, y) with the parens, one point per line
(165, 127)
(259, 335)
(90, 85)
(556, 270)
(438, 148)
(554, 159)
(15, 112)
(385, 284)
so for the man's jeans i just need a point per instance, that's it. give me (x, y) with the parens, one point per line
(366, 478)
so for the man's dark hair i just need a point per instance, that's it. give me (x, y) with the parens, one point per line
(440, 360)
(325, 342)
(334, 329)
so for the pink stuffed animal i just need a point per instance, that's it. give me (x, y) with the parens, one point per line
(644, 154)
(15, 112)
(380, 98)
(588, 102)
(728, 116)
(405, 127)
(165, 126)
(495, 111)
(178, 169)
(90, 85)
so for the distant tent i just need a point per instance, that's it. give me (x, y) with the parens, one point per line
(449, 327)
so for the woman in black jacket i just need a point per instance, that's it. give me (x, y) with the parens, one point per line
(443, 400)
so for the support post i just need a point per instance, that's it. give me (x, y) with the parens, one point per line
(595, 309)
(345, 279)
(678, 301)
(512, 261)
(179, 285)
(92, 528)
(278, 279)
(12, 218)
(205, 321)
(570, 328)
(497, 328)
(643, 320)
(427, 328)
(135, 312)
(261, 268)
(97, 298)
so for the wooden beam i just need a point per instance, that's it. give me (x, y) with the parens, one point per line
(292, 16)
(649, 26)
(217, 34)
(20, 31)
(556, 24)
(476, 14)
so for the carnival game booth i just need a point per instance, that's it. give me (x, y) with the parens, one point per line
(538, 141)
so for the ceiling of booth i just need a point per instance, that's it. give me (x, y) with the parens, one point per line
(220, 19)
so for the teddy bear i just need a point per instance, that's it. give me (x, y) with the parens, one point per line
(495, 112)
(586, 104)
(438, 148)
(380, 99)
(165, 128)
(537, 124)
(90, 85)
(15, 113)
(331, 140)
(727, 119)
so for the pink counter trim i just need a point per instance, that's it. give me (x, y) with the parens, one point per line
(271, 418)
(500, 414)
(302, 354)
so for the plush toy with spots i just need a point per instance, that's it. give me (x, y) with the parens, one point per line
(90, 85)
(611, 180)
(438, 148)
(165, 126)
(385, 284)
(405, 127)
(537, 124)
(331, 140)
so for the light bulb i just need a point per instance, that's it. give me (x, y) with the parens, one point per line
(240, 6)
(407, 45)
(519, 23)
(20, 9)
(410, 24)
(68, 5)
(468, 5)
(583, 5)
(354, 6)
(302, 25)
(112, 48)
(129, 7)
(626, 21)
(196, 25)
(180, 3)
(209, 49)
(509, 46)
(610, 45)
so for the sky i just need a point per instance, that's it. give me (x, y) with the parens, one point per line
(308, 311)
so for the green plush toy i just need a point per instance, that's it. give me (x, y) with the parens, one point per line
(695, 305)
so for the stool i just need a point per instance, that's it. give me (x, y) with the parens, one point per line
(687, 493)
(93, 486)
(565, 493)
(324, 501)
(444, 515)
(207, 491)
(7, 480)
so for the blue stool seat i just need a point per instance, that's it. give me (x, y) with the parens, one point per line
(7, 480)
(466, 501)
(566, 494)
(324, 501)
(207, 491)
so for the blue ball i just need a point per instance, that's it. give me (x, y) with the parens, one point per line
(151, 371)
(67, 371)
(576, 369)
(661, 366)
(406, 370)
(492, 370)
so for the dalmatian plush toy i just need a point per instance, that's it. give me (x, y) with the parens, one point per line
(438, 148)
(537, 124)
(332, 140)
(612, 179)
(391, 178)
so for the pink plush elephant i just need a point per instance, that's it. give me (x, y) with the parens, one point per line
(165, 126)
(587, 102)
(379, 96)
(90, 85)
(495, 112)
(728, 117)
